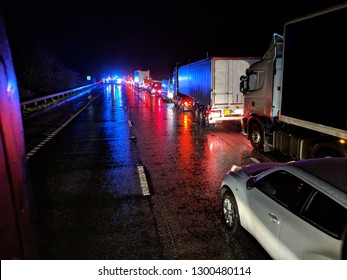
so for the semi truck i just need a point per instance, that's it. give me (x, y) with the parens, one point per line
(294, 97)
(140, 76)
(211, 88)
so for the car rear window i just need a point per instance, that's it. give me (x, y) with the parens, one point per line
(326, 214)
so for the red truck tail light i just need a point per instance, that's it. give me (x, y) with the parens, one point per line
(215, 113)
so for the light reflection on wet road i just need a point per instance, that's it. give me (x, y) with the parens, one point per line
(88, 191)
(186, 163)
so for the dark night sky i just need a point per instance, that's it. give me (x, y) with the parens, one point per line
(121, 36)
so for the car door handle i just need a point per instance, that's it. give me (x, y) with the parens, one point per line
(273, 218)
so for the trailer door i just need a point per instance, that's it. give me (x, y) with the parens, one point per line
(221, 92)
(226, 84)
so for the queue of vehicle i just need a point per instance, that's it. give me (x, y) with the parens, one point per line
(296, 210)
(292, 102)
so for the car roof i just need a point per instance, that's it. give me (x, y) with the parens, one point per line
(331, 170)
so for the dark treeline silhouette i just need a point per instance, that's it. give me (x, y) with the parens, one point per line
(40, 72)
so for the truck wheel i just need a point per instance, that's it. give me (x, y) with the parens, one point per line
(231, 212)
(256, 137)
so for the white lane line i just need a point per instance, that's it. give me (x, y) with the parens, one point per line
(254, 159)
(143, 180)
(132, 136)
(42, 143)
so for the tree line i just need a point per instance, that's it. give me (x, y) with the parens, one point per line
(40, 72)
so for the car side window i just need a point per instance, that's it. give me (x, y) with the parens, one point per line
(285, 188)
(326, 214)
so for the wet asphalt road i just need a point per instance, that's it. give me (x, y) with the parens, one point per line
(133, 177)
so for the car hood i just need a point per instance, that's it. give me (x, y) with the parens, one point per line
(256, 168)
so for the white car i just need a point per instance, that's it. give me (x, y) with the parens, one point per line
(295, 210)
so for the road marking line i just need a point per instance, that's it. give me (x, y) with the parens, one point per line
(143, 180)
(49, 137)
(254, 159)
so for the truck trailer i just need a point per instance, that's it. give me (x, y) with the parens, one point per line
(212, 87)
(294, 98)
(140, 76)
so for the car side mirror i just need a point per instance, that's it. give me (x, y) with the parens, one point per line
(250, 183)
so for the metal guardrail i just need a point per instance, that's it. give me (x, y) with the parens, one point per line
(52, 96)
